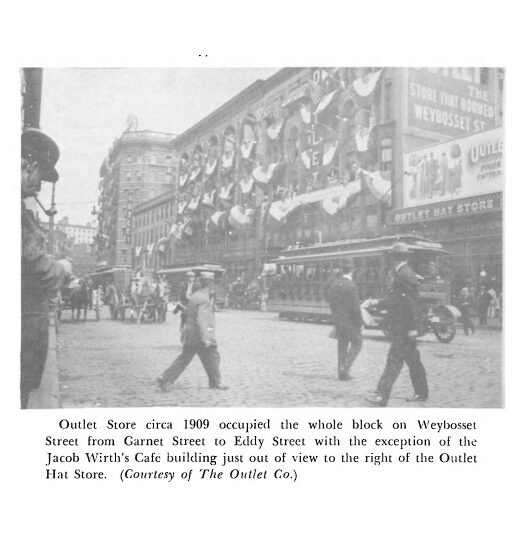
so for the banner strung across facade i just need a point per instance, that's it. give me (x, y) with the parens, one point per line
(448, 102)
(456, 169)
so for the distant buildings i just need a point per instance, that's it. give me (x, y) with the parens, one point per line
(80, 234)
(139, 166)
(311, 155)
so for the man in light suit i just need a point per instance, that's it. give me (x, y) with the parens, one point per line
(346, 316)
(198, 338)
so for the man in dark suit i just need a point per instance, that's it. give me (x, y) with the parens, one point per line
(198, 338)
(343, 297)
(188, 288)
(403, 322)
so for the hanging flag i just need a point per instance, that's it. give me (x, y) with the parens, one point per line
(138, 250)
(315, 91)
(150, 248)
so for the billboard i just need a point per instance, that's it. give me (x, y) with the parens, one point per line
(456, 169)
(449, 102)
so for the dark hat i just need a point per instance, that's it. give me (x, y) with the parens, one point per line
(44, 150)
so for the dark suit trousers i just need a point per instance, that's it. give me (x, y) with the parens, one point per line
(210, 360)
(403, 349)
(349, 344)
(33, 353)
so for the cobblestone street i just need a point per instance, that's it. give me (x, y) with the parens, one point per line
(266, 362)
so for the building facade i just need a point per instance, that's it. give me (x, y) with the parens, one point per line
(139, 166)
(450, 167)
(316, 155)
(80, 234)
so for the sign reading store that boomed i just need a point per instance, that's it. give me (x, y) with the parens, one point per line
(456, 169)
(448, 102)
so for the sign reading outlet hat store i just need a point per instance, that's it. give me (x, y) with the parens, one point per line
(442, 210)
(449, 102)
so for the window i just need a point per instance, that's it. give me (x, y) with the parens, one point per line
(386, 154)
(129, 158)
(138, 175)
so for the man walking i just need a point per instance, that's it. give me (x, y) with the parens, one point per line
(198, 338)
(346, 316)
(41, 274)
(188, 288)
(403, 321)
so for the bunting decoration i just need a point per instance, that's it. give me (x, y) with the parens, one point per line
(209, 198)
(306, 113)
(246, 185)
(226, 191)
(332, 204)
(379, 186)
(194, 203)
(182, 206)
(365, 86)
(162, 244)
(183, 180)
(246, 149)
(240, 218)
(268, 175)
(228, 160)
(274, 130)
(210, 167)
(362, 139)
(325, 101)
(195, 173)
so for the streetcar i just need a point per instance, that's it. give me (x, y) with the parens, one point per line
(299, 288)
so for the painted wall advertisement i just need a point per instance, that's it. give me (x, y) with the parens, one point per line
(449, 102)
(456, 169)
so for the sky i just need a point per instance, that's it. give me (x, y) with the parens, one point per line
(84, 110)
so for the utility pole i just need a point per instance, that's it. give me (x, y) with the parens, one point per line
(51, 214)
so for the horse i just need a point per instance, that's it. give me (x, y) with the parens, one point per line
(81, 299)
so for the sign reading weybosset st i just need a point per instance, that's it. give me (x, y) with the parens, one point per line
(456, 169)
(448, 102)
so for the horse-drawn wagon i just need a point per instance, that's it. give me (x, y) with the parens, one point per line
(142, 298)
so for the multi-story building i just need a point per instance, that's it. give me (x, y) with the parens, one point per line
(80, 234)
(317, 154)
(139, 166)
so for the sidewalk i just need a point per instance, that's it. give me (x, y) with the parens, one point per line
(47, 396)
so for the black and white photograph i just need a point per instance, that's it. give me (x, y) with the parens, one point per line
(318, 236)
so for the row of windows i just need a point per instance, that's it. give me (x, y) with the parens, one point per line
(156, 214)
(150, 175)
(149, 159)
